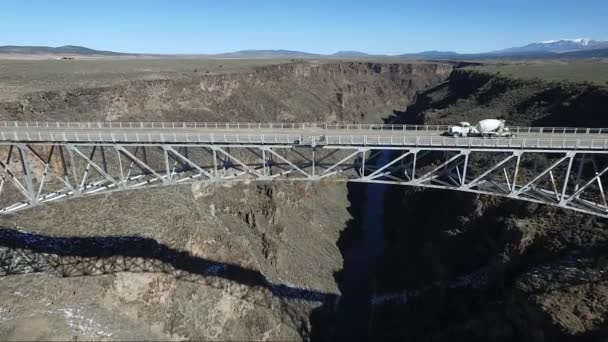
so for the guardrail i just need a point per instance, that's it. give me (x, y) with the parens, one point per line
(281, 125)
(217, 125)
(449, 142)
(313, 140)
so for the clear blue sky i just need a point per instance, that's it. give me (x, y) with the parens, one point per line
(321, 26)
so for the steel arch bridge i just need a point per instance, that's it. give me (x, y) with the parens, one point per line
(48, 161)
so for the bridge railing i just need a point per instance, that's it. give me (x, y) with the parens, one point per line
(216, 125)
(556, 142)
(277, 126)
(449, 142)
(558, 130)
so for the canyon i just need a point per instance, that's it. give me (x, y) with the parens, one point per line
(267, 261)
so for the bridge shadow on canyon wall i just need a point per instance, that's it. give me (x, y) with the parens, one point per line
(23, 252)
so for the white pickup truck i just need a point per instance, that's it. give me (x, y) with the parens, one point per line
(491, 128)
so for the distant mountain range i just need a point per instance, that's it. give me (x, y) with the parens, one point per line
(564, 48)
(265, 54)
(432, 54)
(62, 50)
(350, 54)
(556, 46)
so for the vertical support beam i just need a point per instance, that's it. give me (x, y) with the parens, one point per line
(179, 150)
(507, 179)
(27, 172)
(363, 156)
(270, 163)
(47, 166)
(8, 157)
(168, 178)
(215, 171)
(264, 162)
(517, 162)
(2, 183)
(42, 181)
(10, 154)
(144, 155)
(123, 181)
(554, 185)
(226, 159)
(314, 162)
(465, 167)
(104, 163)
(8, 160)
(566, 180)
(414, 164)
(63, 164)
(77, 188)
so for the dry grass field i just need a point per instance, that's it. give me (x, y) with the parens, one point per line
(595, 72)
(19, 77)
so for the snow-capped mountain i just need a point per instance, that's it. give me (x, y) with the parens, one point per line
(556, 46)
(581, 41)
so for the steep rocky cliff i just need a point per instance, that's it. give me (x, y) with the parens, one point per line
(343, 92)
(478, 267)
(470, 95)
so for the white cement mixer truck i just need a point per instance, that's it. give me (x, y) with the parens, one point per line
(491, 128)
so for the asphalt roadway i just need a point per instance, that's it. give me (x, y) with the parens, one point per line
(298, 136)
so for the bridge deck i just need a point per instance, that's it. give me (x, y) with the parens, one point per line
(527, 138)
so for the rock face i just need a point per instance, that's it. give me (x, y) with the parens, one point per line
(348, 92)
(472, 96)
(242, 262)
(487, 268)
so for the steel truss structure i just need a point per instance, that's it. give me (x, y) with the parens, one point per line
(36, 173)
